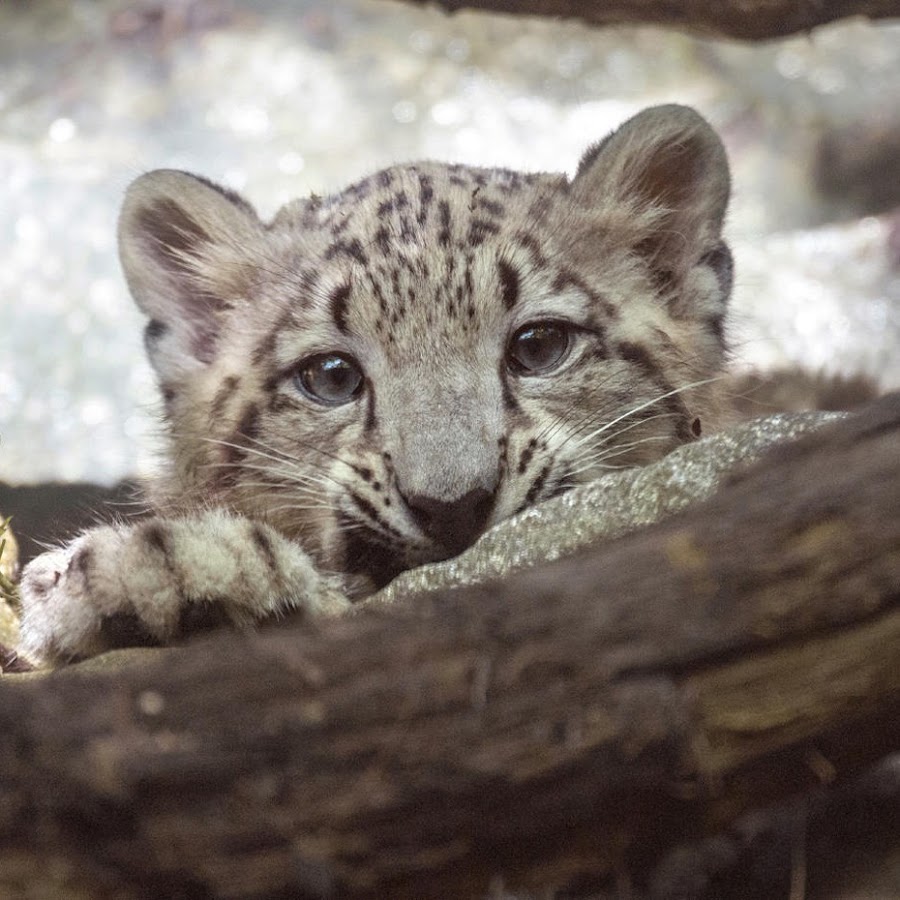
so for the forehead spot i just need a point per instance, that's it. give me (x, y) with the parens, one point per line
(338, 304)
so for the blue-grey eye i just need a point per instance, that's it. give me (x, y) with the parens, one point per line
(329, 378)
(539, 347)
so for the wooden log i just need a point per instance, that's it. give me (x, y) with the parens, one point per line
(744, 19)
(582, 717)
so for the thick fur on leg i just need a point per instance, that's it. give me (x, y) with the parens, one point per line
(160, 579)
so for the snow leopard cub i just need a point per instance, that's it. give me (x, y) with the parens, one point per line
(374, 378)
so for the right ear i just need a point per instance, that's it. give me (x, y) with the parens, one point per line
(667, 167)
(183, 243)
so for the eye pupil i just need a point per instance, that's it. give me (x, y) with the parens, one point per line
(538, 347)
(329, 378)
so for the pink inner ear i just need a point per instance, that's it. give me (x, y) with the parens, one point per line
(169, 230)
(666, 162)
(203, 343)
(680, 178)
(173, 239)
(672, 176)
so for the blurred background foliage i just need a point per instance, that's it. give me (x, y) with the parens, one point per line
(279, 98)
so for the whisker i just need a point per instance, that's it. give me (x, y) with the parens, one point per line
(559, 422)
(295, 506)
(581, 440)
(286, 475)
(297, 490)
(611, 453)
(649, 403)
(283, 458)
(306, 445)
(244, 448)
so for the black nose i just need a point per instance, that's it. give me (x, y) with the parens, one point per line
(456, 523)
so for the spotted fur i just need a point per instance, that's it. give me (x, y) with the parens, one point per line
(422, 276)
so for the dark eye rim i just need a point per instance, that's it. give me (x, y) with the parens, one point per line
(300, 383)
(569, 331)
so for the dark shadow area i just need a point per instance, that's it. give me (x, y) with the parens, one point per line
(52, 513)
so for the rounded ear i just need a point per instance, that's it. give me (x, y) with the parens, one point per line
(668, 167)
(182, 241)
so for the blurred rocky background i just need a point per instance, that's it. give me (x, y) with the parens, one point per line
(284, 97)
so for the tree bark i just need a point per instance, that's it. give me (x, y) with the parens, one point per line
(745, 19)
(586, 716)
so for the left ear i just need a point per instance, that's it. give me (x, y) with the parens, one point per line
(667, 169)
(183, 243)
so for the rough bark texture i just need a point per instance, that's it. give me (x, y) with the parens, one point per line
(583, 717)
(744, 19)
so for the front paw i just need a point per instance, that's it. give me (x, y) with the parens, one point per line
(58, 619)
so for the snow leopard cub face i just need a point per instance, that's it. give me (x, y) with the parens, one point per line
(384, 373)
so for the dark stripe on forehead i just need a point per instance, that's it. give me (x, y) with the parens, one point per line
(227, 388)
(426, 195)
(509, 283)
(532, 245)
(266, 347)
(337, 302)
(566, 279)
(480, 230)
(378, 293)
(383, 240)
(491, 207)
(444, 219)
(352, 248)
